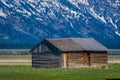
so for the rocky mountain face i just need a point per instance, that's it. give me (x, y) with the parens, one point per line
(24, 23)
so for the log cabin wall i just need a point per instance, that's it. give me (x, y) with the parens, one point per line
(82, 59)
(72, 60)
(98, 59)
(76, 60)
(45, 60)
(45, 55)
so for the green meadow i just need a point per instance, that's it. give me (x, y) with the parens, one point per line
(26, 72)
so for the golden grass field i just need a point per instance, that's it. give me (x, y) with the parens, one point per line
(15, 60)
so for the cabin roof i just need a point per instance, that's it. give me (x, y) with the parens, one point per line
(65, 44)
(76, 44)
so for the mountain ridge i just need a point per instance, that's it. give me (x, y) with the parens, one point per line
(29, 21)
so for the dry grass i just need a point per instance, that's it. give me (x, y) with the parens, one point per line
(15, 60)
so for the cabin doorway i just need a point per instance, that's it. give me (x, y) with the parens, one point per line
(87, 59)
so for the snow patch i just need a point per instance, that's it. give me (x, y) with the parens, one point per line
(39, 19)
(31, 1)
(75, 2)
(117, 33)
(20, 30)
(41, 32)
(24, 11)
(97, 16)
(17, 28)
(115, 26)
(44, 3)
(51, 14)
(70, 23)
(71, 13)
(4, 2)
(32, 5)
(2, 14)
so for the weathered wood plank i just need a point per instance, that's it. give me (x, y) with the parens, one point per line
(45, 60)
(73, 59)
(98, 58)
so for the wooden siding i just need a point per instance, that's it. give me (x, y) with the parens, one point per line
(72, 60)
(45, 60)
(76, 59)
(98, 58)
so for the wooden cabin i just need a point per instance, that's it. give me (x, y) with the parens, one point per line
(68, 53)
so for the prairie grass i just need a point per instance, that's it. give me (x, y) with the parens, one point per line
(26, 72)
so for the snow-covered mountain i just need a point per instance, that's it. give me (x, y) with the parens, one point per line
(24, 23)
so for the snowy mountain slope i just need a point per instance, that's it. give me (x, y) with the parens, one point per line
(24, 23)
